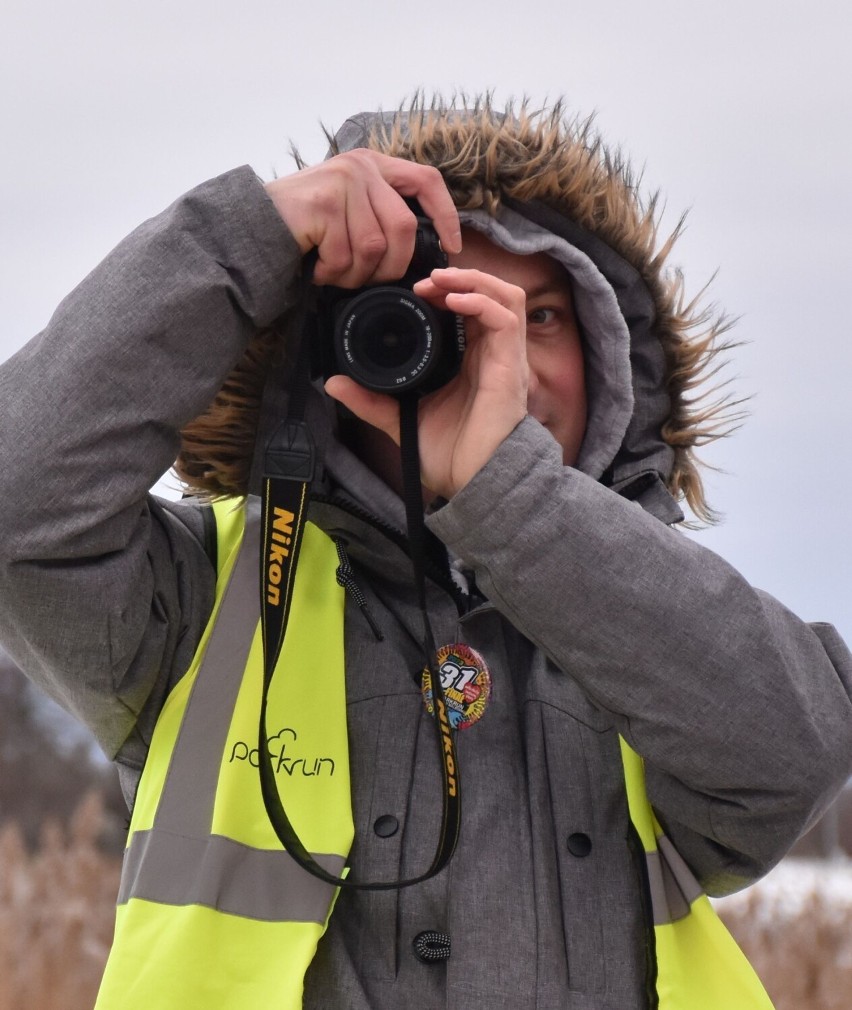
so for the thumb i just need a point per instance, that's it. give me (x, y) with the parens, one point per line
(375, 409)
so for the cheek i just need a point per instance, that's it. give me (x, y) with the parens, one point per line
(560, 370)
(562, 398)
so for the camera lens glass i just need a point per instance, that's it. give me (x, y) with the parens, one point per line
(386, 338)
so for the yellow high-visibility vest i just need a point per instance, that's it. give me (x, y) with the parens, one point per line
(212, 913)
(699, 965)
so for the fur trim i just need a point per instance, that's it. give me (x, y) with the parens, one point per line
(217, 447)
(486, 155)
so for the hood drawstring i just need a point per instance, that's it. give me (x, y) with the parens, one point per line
(346, 579)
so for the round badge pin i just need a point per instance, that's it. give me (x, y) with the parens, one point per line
(466, 682)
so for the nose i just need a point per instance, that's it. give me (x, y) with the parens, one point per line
(532, 384)
(533, 405)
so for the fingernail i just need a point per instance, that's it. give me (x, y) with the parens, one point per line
(454, 246)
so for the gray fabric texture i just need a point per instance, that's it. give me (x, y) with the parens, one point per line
(600, 620)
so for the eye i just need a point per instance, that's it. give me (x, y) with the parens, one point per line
(541, 316)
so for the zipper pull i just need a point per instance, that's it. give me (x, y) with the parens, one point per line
(346, 578)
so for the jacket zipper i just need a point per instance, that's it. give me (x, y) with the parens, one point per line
(436, 573)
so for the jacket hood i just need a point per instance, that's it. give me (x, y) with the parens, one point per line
(543, 182)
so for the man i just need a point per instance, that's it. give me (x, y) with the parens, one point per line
(573, 617)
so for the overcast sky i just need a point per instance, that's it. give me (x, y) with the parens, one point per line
(739, 111)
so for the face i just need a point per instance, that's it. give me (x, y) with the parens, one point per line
(557, 388)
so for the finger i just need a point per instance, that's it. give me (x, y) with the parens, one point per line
(399, 229)
(431, 293)
(491, 315)
(492, 303)
(462, 280)
(366, 240)
(371, 238)
(376, 409)
(356, 242)
(440, 283)
(426, 184)
(496, 338)
(334, 252)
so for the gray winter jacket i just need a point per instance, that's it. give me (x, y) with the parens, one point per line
(596, 618)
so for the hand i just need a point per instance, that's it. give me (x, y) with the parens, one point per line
(351, 209)
(462, 424)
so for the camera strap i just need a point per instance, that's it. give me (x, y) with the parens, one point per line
(288, 472)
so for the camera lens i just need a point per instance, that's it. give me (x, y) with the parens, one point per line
(387, 339)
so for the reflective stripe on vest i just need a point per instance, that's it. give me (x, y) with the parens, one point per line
(699, 965)
(212, 912)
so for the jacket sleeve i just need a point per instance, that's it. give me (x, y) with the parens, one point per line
(741, 711)
(104, 591)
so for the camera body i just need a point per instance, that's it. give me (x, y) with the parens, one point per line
(384, 336)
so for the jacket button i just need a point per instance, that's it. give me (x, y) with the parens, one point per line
(386, 825)
(579, 844)
(431, 946)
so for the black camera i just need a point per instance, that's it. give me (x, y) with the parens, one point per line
(385, 337)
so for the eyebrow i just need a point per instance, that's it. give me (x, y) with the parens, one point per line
(551, 288)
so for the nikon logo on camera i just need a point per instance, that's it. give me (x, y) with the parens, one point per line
(279, 551)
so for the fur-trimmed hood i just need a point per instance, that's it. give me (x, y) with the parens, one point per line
(541, 181)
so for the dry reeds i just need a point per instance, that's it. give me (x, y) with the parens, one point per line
(56, 913)
(796, 929)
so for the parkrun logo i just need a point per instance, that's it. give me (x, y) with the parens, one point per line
(279, 551)
(282, 760)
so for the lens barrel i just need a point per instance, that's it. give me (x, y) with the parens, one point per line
(388, 340)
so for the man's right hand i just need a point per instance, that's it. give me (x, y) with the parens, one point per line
(351, 210)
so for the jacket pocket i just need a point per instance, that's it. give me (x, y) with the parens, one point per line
(382, 772)
(583, 855)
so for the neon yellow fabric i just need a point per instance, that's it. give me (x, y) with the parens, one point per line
(194, 958)
(699, 966)
(306, 710)
(230, 523)
(191, 957)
